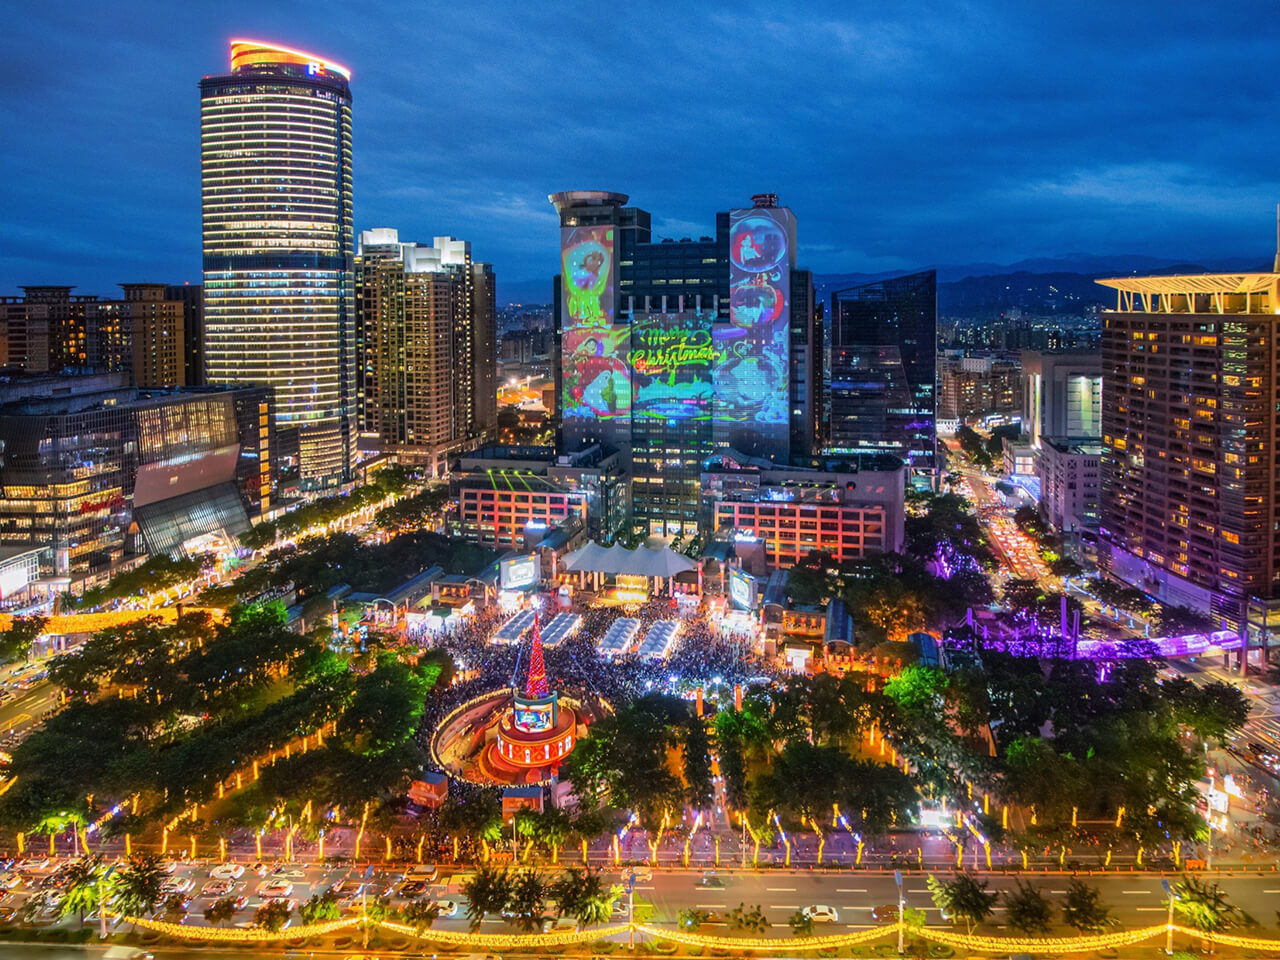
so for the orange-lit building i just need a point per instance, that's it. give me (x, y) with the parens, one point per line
(845, 511)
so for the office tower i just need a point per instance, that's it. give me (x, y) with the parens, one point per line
(191, 295)
(1061, 395)
(425, 333)
(884, 369)
(1190, 434)
(671, 349)
(278, 246)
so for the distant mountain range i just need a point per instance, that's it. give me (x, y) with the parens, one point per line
(1039, 285)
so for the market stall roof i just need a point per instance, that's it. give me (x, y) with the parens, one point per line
(617, 560)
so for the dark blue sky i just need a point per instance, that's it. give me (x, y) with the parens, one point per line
(901, 133)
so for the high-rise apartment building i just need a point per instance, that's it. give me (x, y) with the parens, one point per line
(191, 296)
(140, 335)
(426, 342)
(980, 386)
(884, 369)
(671, 349)
(1190, 435)
(1061, 395)
(276, 200)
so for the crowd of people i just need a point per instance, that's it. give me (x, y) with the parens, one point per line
(702, 656)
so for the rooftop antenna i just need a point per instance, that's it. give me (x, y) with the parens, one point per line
(1276, 266)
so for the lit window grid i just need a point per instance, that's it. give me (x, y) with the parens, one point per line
(790, 532)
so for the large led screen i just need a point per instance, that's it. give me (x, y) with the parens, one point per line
(519, 573)
(751, 379)
(672, 356)
(595, 380)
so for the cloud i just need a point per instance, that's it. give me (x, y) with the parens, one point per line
(900, 134)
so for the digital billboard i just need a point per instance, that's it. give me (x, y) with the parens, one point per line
(596, 384)
(742, 590)
(671, 359)
(519, 573)
(752, 377)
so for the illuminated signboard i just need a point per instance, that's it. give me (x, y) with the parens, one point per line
(534, 716)
(751, 379)
(596, 384)
(519, 573)
(742, 590)
(671, 359)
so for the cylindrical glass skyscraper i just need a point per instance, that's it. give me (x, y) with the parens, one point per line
(275, 175)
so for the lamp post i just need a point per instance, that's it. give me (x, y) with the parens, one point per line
(1168, 941)
(902, 903)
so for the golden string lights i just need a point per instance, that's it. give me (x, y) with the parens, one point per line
(564, 938)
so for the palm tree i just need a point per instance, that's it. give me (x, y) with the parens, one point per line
(138, 885)
(581, 894)
(86, 883)
(420, 914)
(1204, 905)
(963, 897)
(220, 911)
(487, 891)
(1083, 908)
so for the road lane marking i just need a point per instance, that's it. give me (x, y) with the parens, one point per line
(1057, 891)
(1140, 893)
(1150, 909)
(851, 890)
(710, 906)
(780, 889)
(784, 906)
(1271, 891)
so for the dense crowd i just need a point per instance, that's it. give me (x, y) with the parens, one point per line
(702, 656)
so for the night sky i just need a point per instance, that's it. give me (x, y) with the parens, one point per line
(902, 134)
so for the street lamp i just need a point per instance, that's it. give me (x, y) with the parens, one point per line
(902, 903)
(1168, 889)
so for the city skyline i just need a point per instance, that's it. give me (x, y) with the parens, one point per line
(993, 135)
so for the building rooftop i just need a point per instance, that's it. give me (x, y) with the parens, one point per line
(249, 53)
(1197, 293)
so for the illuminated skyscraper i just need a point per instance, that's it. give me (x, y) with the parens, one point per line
(884, 369)
(425, 321)
(1190, 434)
(278, 246)
(672, 349)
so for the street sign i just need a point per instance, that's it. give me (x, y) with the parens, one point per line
(897, 877)
(1165, 883)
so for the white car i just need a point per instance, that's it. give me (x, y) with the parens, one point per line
(176, 885)
(448, 908)
(642, 874)
(275, 889)
(227, 871)
(169, 866)
(217, 888)
(9, 880)
(821, 913)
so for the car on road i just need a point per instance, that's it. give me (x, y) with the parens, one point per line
(710, 882)
(885, 913)
(274, 889)
(288, 902)
(448, 908)
(217, 888)
(821, 913)
(227, 871)
(10, 880)
(169, 866)
(412, 888)
(559, 924)
(642, 874)
(176, 885)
